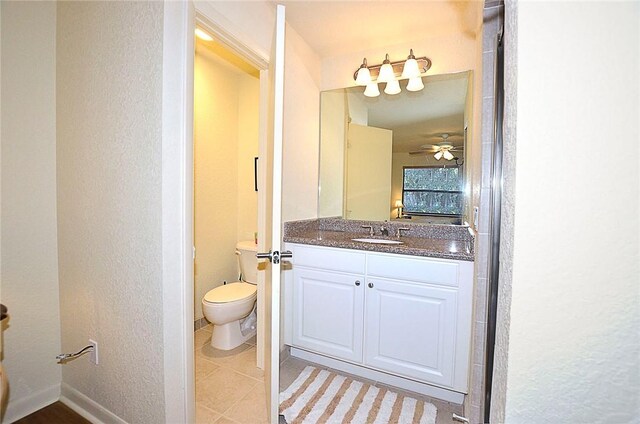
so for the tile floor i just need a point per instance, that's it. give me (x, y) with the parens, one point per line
(230, 388)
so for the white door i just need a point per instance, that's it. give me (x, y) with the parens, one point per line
(328, 312)
(368, 191)
(271, 239)
(411, 330)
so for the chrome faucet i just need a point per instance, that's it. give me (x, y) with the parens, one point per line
(400, 230)
(370, 227)
(384, 231)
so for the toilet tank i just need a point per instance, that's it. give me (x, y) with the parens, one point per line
(246, 252)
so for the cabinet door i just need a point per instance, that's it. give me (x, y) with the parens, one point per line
(411, 330)
(328, 312)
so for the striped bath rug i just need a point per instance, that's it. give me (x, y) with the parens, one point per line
(320, 396)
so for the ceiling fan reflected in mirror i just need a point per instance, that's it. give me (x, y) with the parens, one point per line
(441, 150)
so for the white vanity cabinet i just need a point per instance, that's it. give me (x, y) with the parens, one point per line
(328, 312)
(392, 318)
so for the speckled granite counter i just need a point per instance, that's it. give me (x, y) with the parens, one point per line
(436, 241)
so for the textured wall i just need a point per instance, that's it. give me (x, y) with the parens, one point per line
(109, 88)
(248, 133)
(574, 318)
(29, 257)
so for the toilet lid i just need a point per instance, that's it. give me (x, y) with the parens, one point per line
(230, 293)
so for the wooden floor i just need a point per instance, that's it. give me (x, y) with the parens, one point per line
(55, 413)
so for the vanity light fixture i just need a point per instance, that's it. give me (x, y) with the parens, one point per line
(392, 87)
(388, 72)
(372, 90)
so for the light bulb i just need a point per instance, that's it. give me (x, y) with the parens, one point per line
(372, 90)
(415, 84)
(448, 155)
(393, 87)
(438, 155)
(203, 35)
(386, 71)
(363, 76)
(411, 68)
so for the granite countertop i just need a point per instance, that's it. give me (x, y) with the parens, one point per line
(418, 246)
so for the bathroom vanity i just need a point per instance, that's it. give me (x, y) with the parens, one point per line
(375, 311)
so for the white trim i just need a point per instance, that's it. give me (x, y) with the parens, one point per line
(177, 211)
(229, 40)
(20, 408)
(227, 32)
(373, 375)
(87, 407)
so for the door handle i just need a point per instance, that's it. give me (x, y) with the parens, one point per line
(370, 285)
(275, 256)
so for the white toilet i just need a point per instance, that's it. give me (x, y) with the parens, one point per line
(228, 307)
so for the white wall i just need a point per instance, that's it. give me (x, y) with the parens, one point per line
(253, 24)
(301, 132)
(248, 133)
(449, 54)
(109, 105)
(29, 245)
(573, 341)
(225, 143)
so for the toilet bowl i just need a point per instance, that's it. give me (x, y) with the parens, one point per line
(228, 306)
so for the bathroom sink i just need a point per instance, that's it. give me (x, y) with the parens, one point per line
(377, 241)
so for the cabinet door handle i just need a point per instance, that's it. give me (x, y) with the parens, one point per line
(357, 282)
(370, 285)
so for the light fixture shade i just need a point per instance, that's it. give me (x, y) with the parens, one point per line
(411, 68)
(372, 90)
(438, 155)
(386, 71)
(363, 77)
(398, 204)
(393, 87)
(415, 84)
(447, 155)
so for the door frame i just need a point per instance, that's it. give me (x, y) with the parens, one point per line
(177, 188)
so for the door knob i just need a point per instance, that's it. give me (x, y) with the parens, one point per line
(357, 282)
(275, 256)
(370, 285)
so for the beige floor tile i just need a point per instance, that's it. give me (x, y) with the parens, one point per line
(251, 341)
(225, 420)
(222, 389)
(245, 363)
(220, 357)
(205, 415)
(204, 368)
(290, 370)
(251, 409)
(201, 337)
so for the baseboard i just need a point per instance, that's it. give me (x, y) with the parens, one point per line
(29, 404)
(87, 407)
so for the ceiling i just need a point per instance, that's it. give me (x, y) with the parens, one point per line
(336, 27)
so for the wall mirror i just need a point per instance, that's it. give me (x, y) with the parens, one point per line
(396, 156)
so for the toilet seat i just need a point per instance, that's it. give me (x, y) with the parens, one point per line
(229, 293)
